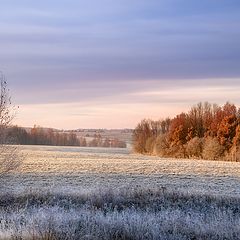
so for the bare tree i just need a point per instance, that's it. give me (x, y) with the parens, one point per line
(9, 154)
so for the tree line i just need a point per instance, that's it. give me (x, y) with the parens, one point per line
(41, 136)
(206, 131)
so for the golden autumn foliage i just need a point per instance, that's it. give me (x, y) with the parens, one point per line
(207, 131)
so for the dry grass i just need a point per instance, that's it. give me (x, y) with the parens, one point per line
(135, 213)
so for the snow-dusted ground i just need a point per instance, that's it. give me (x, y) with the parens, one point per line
(95, 193)
(73, 168)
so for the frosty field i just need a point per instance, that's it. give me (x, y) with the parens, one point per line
(73, 168)
(96, 193)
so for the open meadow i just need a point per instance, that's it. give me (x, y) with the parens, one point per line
(98, 193)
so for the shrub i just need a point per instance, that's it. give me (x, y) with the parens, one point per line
(212, 149)
(9, 155)
(194, 147)
(161, 147)
(149, 146)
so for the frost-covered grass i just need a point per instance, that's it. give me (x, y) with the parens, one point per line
(74, 168)
(91, 193)
(127, 213)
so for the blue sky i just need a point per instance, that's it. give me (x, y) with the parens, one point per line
(109, 64)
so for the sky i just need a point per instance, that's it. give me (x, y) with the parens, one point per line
(108, 64)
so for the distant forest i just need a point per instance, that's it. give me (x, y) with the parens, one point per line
(207, 131)
(42, 136)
